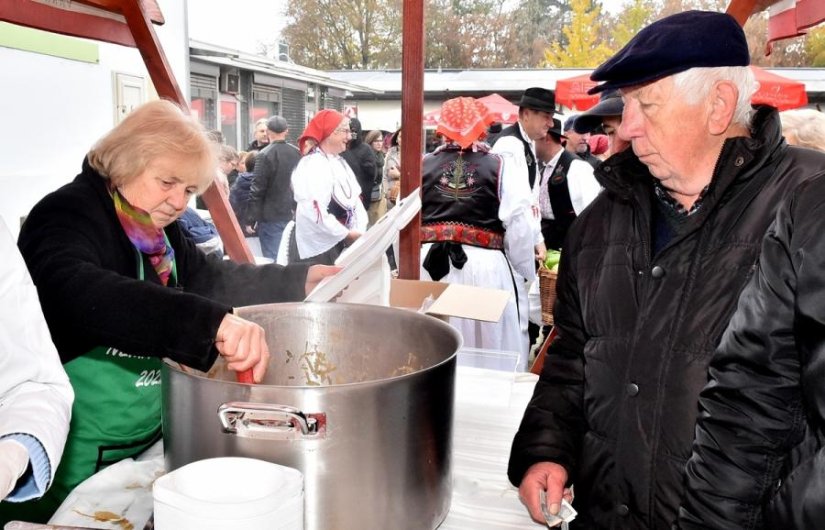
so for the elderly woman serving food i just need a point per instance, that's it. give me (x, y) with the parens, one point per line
(121, 287)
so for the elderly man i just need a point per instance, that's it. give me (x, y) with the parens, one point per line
(607, 114)
(651, 274)
(261, 138)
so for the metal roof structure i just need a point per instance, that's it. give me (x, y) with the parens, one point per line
(219, 55)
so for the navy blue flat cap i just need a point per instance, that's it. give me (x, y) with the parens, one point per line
(610, 104)
(674, 44)
(570, 122)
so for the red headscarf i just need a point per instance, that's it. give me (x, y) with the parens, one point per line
(463, 120)
(320, 127)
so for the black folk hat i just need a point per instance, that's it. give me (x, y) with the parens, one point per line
(674, 44)
(556, 130)
(610, 104)
(537, 98)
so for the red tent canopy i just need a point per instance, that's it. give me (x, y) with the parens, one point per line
(572, 92)
(778, 91)
(502, 110)
(774, 90)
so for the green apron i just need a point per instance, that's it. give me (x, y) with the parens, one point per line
(116, 415)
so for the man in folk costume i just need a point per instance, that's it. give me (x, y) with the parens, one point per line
(476, 222)
(565, 187)
(516, 145)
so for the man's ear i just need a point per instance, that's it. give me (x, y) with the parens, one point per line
(722, 100)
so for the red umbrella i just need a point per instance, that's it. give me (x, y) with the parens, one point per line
(778, 91)
(502, 110)
(572, 92)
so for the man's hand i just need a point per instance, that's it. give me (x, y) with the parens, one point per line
(546, 476)
(14, 459)
(316, 273)
(243, 345)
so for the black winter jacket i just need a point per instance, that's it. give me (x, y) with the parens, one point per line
(270, 195)
(361, 159)
(616, 401)
(85, 269)
(759, 454)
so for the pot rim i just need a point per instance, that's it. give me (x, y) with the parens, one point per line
(178, 367)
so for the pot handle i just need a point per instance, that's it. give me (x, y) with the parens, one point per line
(271, 422)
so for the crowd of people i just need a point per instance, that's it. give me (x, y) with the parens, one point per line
(681, 389)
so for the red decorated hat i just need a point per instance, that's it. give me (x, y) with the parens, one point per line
(463, 120)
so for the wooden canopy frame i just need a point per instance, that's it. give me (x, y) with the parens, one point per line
(129, 23)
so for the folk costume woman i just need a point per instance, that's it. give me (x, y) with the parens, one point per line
(121, 287)
(476, 222)
(329, 212)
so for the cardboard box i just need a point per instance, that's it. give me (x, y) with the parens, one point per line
(451, 299)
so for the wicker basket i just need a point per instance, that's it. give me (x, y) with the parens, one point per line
(547, 294)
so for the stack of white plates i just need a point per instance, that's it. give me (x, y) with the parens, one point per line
(230, 493)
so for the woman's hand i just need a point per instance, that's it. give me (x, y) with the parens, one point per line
(243, 345)
(316, 273)
(392, 193)
(352, 236)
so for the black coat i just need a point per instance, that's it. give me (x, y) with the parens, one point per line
(361, 158)
(758, 455)
(616, 401)
(270, 194)
(85, 269)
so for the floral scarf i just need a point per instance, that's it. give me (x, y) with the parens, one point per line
(147, 238)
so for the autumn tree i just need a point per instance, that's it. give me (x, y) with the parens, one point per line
(534, 24)
(583, 47)
(339, 34)
(815, 47)
(461, 34)
(635, 16)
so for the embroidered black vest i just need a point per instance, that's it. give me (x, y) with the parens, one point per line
(514, 130)
(554, 230)
(460, 198)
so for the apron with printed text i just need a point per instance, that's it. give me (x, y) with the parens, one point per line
(116, 415)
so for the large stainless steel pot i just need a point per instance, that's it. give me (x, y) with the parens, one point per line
(373, 440)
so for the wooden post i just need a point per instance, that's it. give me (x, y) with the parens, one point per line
(741, 10)
(216, 200)
(412, 110)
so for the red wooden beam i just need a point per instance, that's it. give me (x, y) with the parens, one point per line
(412, 110)
(216, 200)
(129, 23)
(66, 21)
(741, 10)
